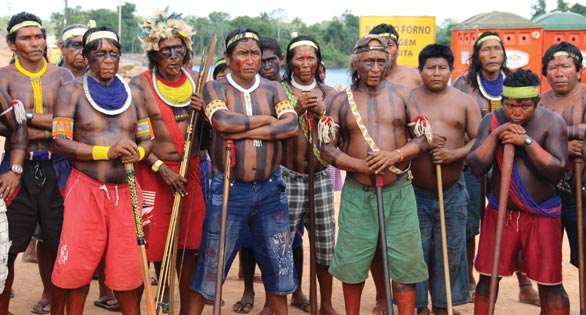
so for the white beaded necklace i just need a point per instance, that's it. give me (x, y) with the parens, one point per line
(247, 99)
(304, 88)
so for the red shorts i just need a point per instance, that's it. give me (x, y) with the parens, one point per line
(538, 237)
(98, 222)
(158, 205)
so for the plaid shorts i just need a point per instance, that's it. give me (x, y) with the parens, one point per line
(325, 223)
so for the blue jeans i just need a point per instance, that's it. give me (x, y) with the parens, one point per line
(474, 206)
(455, 202)
(262, 207)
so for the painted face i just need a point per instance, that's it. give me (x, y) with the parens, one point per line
(103, 61)
(518, 111)
(29, 43)
(304, 64)
(270, 65)
(562, 75)
(245, 59)
(435, 74)
(491, 56)
(170, 56)
(393, 50)
(372, 65)
(71, 51)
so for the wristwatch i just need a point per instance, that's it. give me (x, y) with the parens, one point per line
(528, 141)
(29, 118)
(16, 169)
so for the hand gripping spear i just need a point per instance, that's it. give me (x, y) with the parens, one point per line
(506, 171)
(137, 211)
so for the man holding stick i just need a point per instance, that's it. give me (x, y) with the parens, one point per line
(256, 114)
(109, 120)
(373, 139)
(168, 90)
(455, 119)
(533, 205)
(309, 94)
(562, 65)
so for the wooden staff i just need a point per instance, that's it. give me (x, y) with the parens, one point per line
(311, 192)
(223, 223)
(137, 211)
(506, 172)
(578, 169)
(383, 242)
(440, 193)
(170, 251)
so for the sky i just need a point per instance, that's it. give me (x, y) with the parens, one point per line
(310, 11)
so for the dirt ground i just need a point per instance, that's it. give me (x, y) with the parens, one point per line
(27, 286)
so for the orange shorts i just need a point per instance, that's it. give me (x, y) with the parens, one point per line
(98, 222)
(158, 205)
(538, 237)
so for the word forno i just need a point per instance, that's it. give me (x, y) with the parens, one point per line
(415, 29)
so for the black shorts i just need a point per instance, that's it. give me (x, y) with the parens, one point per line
(38, 201)
(570, 223)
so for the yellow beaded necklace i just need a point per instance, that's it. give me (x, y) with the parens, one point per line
(176, 96)
(35, 79)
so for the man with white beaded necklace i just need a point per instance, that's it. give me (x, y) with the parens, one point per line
(169, 91)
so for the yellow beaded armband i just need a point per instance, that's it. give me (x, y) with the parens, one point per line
(100, 152)
(156, 166)
(213, 107)
(140, 153)
(63, 126)
(283, 107)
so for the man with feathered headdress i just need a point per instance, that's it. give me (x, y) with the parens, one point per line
(170, 98)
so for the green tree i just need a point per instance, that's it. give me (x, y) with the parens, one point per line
(563, 6)
(578, 8)
(538, 8)
(443, 33)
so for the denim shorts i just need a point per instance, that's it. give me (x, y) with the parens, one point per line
(262, 207)
(455, 201)
(473, 186)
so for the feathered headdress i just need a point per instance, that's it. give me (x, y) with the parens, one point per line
(163, 25)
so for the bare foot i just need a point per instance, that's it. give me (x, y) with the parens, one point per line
(528, 295)
(300, 301)
(423, 311)
(444, 311)
(327, 310)
(380, 308)
(266, 310)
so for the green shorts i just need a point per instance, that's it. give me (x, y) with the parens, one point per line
(358, 233)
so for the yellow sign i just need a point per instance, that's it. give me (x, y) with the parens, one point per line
(415, 32)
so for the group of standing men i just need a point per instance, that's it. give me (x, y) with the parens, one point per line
(393, 128)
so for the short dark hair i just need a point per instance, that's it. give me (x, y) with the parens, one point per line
(95, 44)
(19, 18)
(386, 28)
(267, 42)
(436, 51)
(231, 44)
(520, 78)
(575, 53)
(218, 67)
(475, 64)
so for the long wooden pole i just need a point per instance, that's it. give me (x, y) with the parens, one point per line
(311, 193)
(440, 193)
(506, 172)
(169, 255)
(137, 212)
(223, 223)
(383, 243)
(578, 169)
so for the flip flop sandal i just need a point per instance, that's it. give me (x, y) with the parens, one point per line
(41, 307)
(103, 303)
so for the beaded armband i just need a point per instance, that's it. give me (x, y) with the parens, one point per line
(63, 126)
(213, 107)
(144, 129)
(284, 107)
